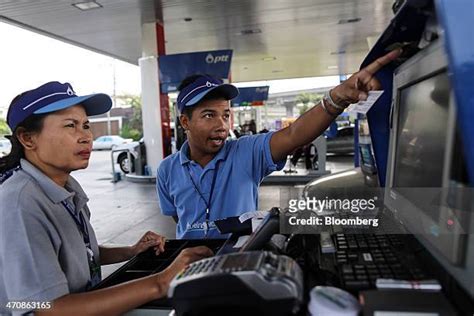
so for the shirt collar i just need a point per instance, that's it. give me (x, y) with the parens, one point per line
(221, 155)
(54, 192)
(183, 153)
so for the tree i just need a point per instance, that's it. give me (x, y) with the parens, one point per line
(134, 128)
(308, 100)
(4, 129)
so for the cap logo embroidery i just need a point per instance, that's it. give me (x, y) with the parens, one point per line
(210, 84)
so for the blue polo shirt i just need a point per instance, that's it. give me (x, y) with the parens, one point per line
(242, 164)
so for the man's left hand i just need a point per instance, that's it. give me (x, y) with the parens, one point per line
(150, 239)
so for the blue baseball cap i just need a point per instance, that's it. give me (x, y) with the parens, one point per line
(51, 97)
(193, 93)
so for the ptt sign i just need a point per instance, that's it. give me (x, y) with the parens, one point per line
(174, 68)
(211, 59)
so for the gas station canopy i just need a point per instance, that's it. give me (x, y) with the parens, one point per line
(270, 39)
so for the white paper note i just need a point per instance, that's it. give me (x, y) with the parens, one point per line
(249, 215)
(364, 106)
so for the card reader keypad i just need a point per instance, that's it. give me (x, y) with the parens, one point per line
(201, 266)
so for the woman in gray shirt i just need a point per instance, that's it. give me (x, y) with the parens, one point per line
(49, 256)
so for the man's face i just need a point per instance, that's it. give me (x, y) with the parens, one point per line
(209, 126)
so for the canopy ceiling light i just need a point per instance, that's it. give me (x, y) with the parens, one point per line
(87, 5)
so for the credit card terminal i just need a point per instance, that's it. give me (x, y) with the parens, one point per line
(255, 282)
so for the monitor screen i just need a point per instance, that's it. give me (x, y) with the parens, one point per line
(421, 133)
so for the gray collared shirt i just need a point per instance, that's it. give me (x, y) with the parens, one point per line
(42, 251)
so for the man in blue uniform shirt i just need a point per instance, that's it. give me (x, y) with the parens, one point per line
(211, 177)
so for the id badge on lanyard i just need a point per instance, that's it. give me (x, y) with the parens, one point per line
(94, 268)
(205, 224)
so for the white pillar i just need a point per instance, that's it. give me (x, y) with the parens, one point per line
(151, 98)
(258, 118)
(265, 118)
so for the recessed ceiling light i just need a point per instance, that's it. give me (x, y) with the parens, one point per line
(250, 31)
(269, 58)
(276, 71)
(339, 52)
(87, 5)
(346, 21)
(188, 19)
(333, 67)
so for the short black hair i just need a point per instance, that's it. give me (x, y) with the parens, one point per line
(213, 95)
(33, 123)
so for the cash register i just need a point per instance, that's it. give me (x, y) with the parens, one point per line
(252, 282)
(244, 280)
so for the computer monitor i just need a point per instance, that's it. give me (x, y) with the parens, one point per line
(426, 168)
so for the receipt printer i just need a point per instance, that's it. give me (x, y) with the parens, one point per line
(246, 283)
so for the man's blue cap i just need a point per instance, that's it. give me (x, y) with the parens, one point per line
(193, 93)
(54, 96)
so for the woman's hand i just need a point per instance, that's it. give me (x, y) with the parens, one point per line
(150, 239)
(190, 255)
(121, 298)
(185, 258)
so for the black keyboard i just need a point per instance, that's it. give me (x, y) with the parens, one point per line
(361, 259)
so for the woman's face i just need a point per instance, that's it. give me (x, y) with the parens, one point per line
(65, 142)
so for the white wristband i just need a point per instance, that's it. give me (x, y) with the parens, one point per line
(323, 105)
(327, 95)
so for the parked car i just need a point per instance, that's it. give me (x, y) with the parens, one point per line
(343, 143)
(5, 147)
(122, 158)
(109, 142)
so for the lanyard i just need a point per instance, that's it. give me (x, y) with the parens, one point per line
(80, 222)
(208, 203)
(94, 268)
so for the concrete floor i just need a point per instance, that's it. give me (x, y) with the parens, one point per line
(122, 212)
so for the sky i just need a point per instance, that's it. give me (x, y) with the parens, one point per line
(28, 59)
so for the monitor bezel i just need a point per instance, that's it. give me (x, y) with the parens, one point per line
(426, 64)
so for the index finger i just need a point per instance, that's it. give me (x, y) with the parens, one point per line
(380, 62)
(162, 244)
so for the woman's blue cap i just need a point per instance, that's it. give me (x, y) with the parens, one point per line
(51, 97)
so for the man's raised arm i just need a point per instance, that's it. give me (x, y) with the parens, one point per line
(315, 121)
